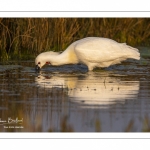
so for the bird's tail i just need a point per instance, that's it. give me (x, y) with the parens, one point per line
(136, 54)
(133, 52)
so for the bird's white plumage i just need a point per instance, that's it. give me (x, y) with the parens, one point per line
(93, 52)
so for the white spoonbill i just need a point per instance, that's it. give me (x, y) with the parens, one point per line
(91, 51)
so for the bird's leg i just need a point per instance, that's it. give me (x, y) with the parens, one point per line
(90, 67)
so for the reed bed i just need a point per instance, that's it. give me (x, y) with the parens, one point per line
(24, 38)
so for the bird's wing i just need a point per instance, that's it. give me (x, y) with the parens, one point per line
(99, 50)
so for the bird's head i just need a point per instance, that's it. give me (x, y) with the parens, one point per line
(45, 58)
(39, 63)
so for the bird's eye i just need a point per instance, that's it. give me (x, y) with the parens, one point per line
(39, 63)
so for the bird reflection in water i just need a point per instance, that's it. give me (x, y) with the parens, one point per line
(92, 89)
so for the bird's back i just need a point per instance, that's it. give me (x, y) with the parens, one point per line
(99, 50)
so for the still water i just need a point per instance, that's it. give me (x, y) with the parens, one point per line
(69, 98)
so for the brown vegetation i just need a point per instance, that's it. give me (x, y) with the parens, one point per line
(24, 38)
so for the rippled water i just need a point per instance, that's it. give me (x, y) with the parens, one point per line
(69, 98)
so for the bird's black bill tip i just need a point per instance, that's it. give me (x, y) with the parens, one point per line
(37, 68)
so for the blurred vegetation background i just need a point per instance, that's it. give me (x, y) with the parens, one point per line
(24, 38)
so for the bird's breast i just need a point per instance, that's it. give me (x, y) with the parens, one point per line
(72, 57)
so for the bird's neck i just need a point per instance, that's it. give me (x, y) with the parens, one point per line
(67, 57)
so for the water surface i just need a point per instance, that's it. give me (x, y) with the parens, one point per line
(69, 98)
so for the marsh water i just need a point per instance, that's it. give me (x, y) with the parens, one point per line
(69, 98)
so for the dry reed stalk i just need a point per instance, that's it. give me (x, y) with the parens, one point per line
(30, 36)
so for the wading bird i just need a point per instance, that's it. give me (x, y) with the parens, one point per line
(91, 51)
